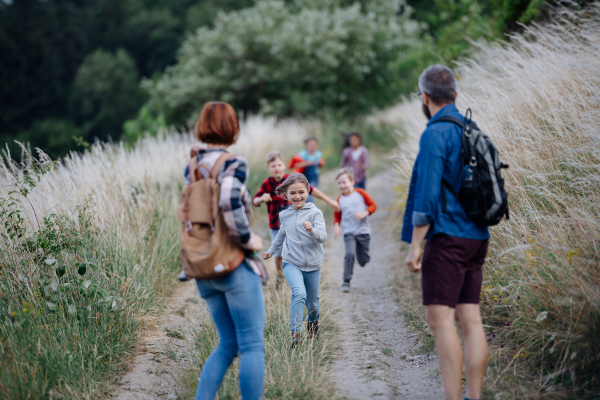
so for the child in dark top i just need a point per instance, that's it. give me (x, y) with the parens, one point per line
(356, 157)
(351, 221)
(275, 204)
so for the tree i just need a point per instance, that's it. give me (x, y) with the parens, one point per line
(296, 58)
(105, 94)
(152, 37)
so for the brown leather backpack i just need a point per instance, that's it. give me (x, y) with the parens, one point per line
(207, 248)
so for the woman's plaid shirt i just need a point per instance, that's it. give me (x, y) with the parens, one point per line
(234, 200)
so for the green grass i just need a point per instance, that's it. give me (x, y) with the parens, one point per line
(61, 336)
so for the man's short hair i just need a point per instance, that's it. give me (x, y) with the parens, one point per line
(439, 83)
(272, 156)
(345, 171)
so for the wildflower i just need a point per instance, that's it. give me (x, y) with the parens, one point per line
(13, 314)
(506, 323)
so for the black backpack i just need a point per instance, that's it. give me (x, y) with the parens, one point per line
(482, 194)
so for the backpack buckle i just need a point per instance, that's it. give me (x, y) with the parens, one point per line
(188, 226)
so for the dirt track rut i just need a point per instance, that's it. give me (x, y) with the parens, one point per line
(377, 358)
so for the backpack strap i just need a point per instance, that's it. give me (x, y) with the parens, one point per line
(448, 186)
(449, 118)
(214, 173)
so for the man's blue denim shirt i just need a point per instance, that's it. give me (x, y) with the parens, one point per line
(439, 157)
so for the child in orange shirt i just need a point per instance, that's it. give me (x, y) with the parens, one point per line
(351, 221)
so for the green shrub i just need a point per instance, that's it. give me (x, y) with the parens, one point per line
(293, 59)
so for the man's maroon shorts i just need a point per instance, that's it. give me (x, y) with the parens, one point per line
(451, 272)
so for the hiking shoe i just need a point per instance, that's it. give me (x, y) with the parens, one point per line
(183, 277)
(295, 339)
(313, 329)
(345, 287)
(278, 282)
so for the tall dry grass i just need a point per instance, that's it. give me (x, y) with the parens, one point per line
(538, 97)
(88, 247)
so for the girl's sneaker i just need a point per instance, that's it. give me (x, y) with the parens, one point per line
(295, 339)
(313, 330)
(183, 277)
(345, 287)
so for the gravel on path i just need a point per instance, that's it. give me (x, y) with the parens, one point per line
(377, 357)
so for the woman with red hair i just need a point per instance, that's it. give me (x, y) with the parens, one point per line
(235, 301)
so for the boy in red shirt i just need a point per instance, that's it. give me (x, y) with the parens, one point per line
(351, 221)
(275, 204)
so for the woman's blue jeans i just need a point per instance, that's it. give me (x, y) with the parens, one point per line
(237, 306)
(305, 292)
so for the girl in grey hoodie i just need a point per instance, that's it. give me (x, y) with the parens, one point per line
(302, 233)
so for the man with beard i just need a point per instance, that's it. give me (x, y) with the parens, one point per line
(451, 264)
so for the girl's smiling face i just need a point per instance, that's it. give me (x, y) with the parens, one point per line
(297, 193)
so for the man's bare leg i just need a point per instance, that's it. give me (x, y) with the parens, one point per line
(447, 343)
(280, 276)
(468, 317)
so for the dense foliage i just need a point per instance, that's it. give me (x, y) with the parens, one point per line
(46, 45)
(286, 57)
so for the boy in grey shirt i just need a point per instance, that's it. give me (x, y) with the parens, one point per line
(351, 221)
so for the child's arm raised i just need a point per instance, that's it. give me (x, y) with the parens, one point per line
(262, 196)
(320, 195)
(318, 231)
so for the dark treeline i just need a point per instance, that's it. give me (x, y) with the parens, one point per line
(70, 69)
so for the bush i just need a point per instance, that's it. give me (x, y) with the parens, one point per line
(300, 58)
(134, 129)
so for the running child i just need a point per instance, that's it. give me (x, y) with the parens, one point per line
(276, 204)
(301, 234)
(351, 221)
(308, 162)
(356, 156)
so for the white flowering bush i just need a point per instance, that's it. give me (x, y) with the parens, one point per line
(294, 58)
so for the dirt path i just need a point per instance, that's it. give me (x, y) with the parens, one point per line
(376, 359)
(163, 349)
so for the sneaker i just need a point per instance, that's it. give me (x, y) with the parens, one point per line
(313, 329)
(345, 287)
(295, 339)
(183, 277)
(278, 282)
